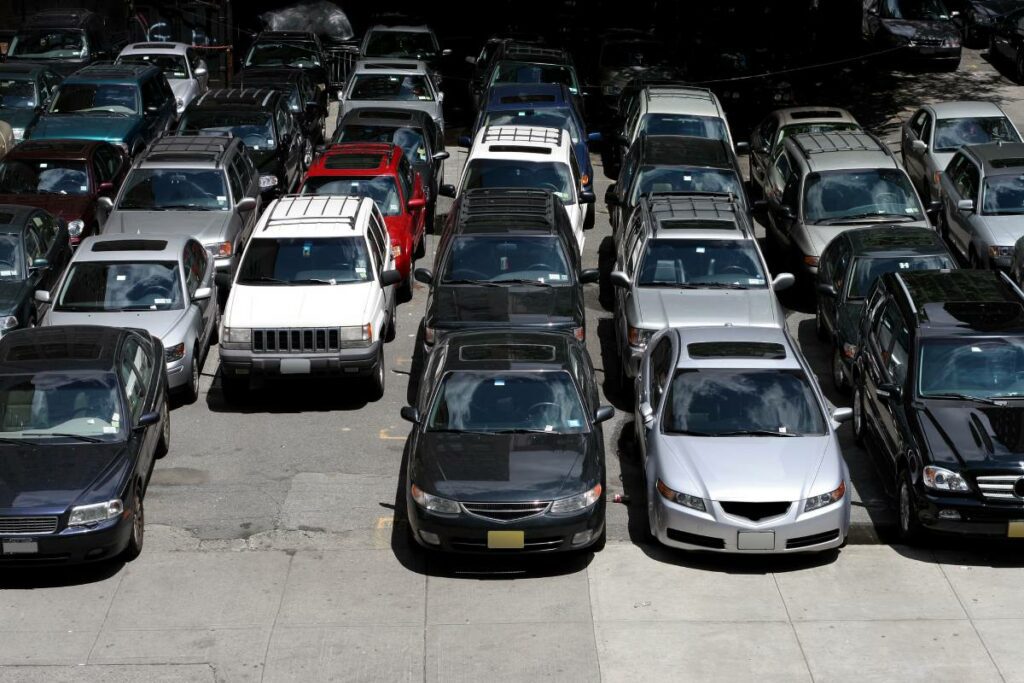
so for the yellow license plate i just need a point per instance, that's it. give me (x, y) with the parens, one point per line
(1015, 530)
(506, 540)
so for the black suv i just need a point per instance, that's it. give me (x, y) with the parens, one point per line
(295, 49)
(507, 257)
(939, 388)
(261, 118)
(64, 39)
(301, 92)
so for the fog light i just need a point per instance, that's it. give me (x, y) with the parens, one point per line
(949, 514)
(430, 537)
(582, 537)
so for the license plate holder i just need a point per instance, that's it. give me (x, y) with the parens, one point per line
(12, 546)
(295, 366)
(755, 540)
(1015, 529)
(506, 540)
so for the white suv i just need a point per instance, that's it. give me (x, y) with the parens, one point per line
(532, 158)
(314, 294)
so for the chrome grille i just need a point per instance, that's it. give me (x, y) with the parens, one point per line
(507, 512)
(999, 487)
(27, 525)
(296, 340)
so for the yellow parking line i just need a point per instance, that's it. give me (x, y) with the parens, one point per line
(384, 436)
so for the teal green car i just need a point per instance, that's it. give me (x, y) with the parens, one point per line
(126, 105)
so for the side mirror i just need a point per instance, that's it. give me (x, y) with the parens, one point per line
(465, 141)
(446, 52)
(589, 275)
(200, 71)
(440, 156)
(595, 137)
(826, 289)
(470, 59)
(646, 412)
(447, 190)
(743, 148)
(202, 294)
(890, 391)
(423, 275)
(587, 197)
(842, 415)
(965, 205)
(39, 264)
(783, 281)
(620, 279)
(416, 203)
(42, 296)
(105, 187)
(246, 204)
(603, 414)
(148, 419)
(105, 203)
(919, 146)
(390, 277)
(410, 414)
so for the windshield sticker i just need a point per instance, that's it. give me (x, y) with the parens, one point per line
(270, 141)
(82, 188)
(499, 382)
(904, 265)
(700, 250)
(221, 198)
(160, 302)
(8, 273)
(43, 164)
(38, 221)
(782, 430)
(110, 430)
(911, 209)
(122, 278)
(975, 349)
(549, 428)
(307, 249)
(361, 271)
(754, 280)
(573, 423)
(687, 178)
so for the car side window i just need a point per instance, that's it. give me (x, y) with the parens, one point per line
(965, 180)
(151, 96)
(33, 245)
(109, 163)
(45, 227)
(134, 369)
(284, 121)
(885, 330)
(661, 358)
(405, 178)
(628, 169)
(633, 255)
(842, 262)
(899, 356)
(917, 122)
(377, 240)
(926, 130)
(791, 192)
(235, 180)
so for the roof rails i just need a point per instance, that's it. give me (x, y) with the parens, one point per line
(681, 90)
(321, 208)
(524, 208)
(696, 207)
(520, 50)
(188, 147)
(519, 134)
(838, 141)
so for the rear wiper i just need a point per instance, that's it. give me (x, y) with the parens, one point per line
(80, 437)
(963, 397)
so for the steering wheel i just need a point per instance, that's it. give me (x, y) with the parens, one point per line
(545, 405)
(734, 268)
(551, 186)
(540, 266)
(157, 291)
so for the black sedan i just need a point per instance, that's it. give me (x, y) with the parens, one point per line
(507, 453)
(1006, 43)
(34, 251)
(301, 92)
(83, 415)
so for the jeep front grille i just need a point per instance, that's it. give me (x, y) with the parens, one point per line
(305, 340)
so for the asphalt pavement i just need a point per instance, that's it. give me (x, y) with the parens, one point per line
(276, 549)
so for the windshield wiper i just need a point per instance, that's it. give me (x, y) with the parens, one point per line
(523, 430)
(80, 437)
(14, 442)
(862, 216)
(962, 397)
(313, 281)
(482, 283)
(461, 431)
(262, 278)
(738, 432)
(184, 207)
(722, 285)
(525, 281)
(672, 285)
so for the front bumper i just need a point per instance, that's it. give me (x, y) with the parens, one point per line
(717, 531)
(355, 362)
(71, 546)
(927, 53)
(976, 518)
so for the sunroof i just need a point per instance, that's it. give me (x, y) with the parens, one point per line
(1007, 163)
(697, 225)
(507, 352)
(764, 350)
(816, 114)
(520, 149)
(352, 161)
(525, 99)
(130, 245)
(54, 350)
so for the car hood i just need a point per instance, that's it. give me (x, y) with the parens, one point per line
(514, 304)
(754, 469)
(665, 307)
(848, 320)
(157, 323)
(964, 433)
(299, 305)
(66, 206)
(12, 295)
(87, 127)
(18, 118)
(1005, 230)
(504, 467)
(205, 226)
(924, 28)
(53, 477)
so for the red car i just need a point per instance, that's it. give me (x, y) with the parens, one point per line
(66, 178)
(379, 171)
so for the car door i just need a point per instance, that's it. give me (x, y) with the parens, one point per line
(655, 374)
(291, 144)
(831, 269)
(135, 370)
(623, 191)
(963, 184)
(198, 273)
(913, 160)
(877, 382)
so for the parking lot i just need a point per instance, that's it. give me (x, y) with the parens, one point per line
(276, 549)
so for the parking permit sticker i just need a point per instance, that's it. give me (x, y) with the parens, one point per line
(270, 141)
(361, 271)
(782, 430)
(160, 302)
(687, 178)
(910, 209)
(83, 188)
(499, 382)
(753, 280)
(904, 265)
(8, 273)
(701, 250)
(43, 165)
(221, 198)
(975, 349)
(122, 278)
(307, 249)
(110, 430)
(573, 423)
(549, 428)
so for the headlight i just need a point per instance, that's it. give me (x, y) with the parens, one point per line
(581, 501)
(237, 335)
(941, 479)
(220, 249)
(19, 133)
(951, 42)
(638, 337)
(434, 503)
(996, 252)
(684, 499)
(268, 181)
(90, 514)
(9, 322)
(356, 335)
(816, 502)
(849, 350)
(176, 352)
(75, 228)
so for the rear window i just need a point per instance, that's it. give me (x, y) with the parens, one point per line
(393, 87)
(766, 350)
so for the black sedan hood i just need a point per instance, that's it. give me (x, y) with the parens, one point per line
(505, 467)
(921, 29)
(12, 295)
(972, 434)
(267, 161)
(512, 304)
(42, 474)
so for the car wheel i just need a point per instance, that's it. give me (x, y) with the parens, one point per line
(838, 376)
(164, 444)
(375, 388)
(392, 330)
(138, 534)
(192, 388)
(910, 526)
(859, 428)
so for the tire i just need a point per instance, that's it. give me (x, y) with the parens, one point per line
(405, 288)
(838, 376)
(375, 383)
(191, 392)
(392, 330)
(138, 535)
(859, 426)
(909, 526)
(164, 444)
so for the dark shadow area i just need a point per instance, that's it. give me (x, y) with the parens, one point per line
(605, 265)
(419, 360)
(965, 551)
(284, 395)
(619, 396)
(29, 576)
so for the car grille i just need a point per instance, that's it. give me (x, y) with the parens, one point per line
(755, 511)
(507, 512)
(27, 525)
(1001, 487)
(815, 539)
(695, 539)
(311, 340)
(480, 545)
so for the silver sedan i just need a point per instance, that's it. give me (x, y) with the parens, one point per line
(740, 453)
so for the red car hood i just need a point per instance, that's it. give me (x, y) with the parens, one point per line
(68, 207)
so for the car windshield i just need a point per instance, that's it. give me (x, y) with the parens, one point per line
(508, 402)
(391, 87)
(653, 179)
(914, 10)
(55, 404)
(544, 175)
(1003, 195)
(173, 66)
(155, 189)
(983, 367)
(541, 118)
(708, 262)
(835, 196)
(107, 98)
(720, 402)
(528, 72)
(255, 129)
(281, 54)
(710, 127)
(409, 139)
(868, 269)
(504, 258)
(381, 189)
(633, 53)
(10, 257)
(51, 43)
(398, 44)
(121, 286)
(39, 176)
(304, 261)
(17, 94)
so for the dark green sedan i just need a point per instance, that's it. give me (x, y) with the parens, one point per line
(34, 251)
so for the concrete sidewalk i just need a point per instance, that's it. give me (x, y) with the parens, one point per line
(185, 612)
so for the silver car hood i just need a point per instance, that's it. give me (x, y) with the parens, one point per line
(160, 324)
(1005, 230)
(666, 307)
(205, 226)
(755, 469)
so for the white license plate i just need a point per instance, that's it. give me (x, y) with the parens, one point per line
(20, 547)
(294, 366)
(755, 540)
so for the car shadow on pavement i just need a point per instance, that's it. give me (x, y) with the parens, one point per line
(272, 395)
(618, 396)
(29, 577)
(605, 265)
(951, 549)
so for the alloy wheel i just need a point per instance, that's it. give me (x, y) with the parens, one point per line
(858, 414)
(838, 378)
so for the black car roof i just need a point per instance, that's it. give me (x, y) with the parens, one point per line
(684, 150)
(1000, 158)
(77, 347)
(894, 239)
(21, 69)
(384, 116)
(960, 301)
(59, 18)
(505, 210)
(507, 350)
(269, 74)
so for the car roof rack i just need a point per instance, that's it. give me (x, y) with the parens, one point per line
(334, 208)
(655, 89)
(178, 147)
(526, 51)
(707, 211)
(838, 141)
(520, 134)
(507, 207)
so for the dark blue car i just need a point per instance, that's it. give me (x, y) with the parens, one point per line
(547, 105)
(25, 90)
